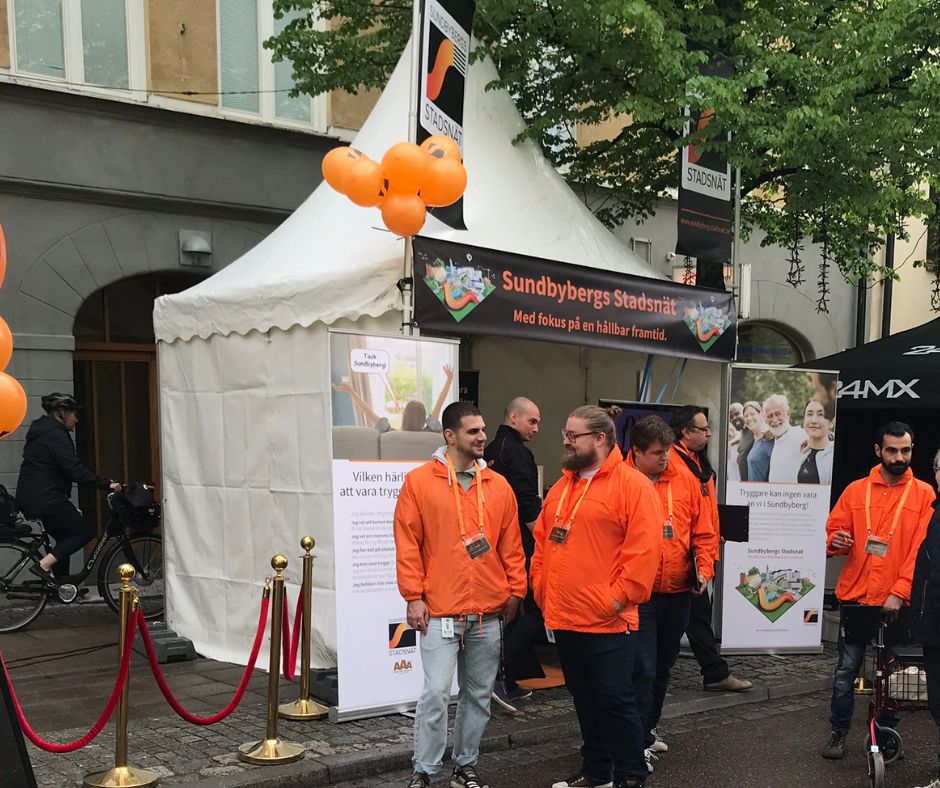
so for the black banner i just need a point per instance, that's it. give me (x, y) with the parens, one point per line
(705, 192)
(462, 289)
(17, 770)
(444, 62)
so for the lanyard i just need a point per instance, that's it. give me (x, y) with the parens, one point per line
(669, 501)
(564, 495)
(456, 485)
(897, 511)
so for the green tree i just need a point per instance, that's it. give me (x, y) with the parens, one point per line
(832, 106)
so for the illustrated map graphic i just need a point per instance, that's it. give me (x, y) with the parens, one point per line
(460, 289)
(774, 592)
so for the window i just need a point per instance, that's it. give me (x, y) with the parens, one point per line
(249, 81)
(81, 42)
(761, 343)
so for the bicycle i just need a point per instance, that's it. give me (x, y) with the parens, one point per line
(23, 595)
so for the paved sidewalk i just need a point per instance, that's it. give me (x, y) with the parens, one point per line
(63, 668)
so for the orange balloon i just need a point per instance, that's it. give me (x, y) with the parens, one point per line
(403, 214)
(6, 344)
(365, 183)
(440, 146)
(337, 164)
(3, 256)
(12, 404)
(406, 166)
(446, 181)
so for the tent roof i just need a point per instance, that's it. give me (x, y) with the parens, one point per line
(331, 259)
(899, 371)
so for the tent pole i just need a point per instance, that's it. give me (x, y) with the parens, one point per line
(408, 280)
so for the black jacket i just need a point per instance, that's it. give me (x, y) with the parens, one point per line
(50, 466)
(510, 457)
(925, 590)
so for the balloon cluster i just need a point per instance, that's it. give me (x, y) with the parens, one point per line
(409, 180)
(12, 396)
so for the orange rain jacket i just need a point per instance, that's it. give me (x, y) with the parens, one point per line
(612, 550)
(431, 559)
(692, 527)
(710, 501)
(868, 578)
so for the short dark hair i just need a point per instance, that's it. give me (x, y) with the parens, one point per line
(648, 431)
(683, 418)
(896, 429)
(453, 414)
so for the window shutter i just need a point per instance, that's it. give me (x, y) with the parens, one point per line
(238, 53)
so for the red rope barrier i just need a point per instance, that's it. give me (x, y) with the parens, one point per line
(108, 709)
(289, 643)
(242, 686)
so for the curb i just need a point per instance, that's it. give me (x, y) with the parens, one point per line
(332, 769)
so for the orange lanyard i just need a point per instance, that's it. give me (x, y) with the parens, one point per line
(669, 501)
(897, 511)
(456, 485)
(564, 496)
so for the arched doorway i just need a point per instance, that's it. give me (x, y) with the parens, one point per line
(115, 378)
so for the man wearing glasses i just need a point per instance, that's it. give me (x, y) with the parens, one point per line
(597, 547)
(690, 425)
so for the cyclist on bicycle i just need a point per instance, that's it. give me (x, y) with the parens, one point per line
(50, 466)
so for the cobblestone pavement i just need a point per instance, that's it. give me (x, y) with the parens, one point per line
(63, 669)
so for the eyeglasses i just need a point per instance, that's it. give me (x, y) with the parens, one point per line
(571, 437)
(700, 429)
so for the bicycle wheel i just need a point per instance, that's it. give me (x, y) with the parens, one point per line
(145, 553)
(22, 594)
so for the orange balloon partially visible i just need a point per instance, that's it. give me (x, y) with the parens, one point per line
(406, 166)
(403, 214)
(12, 404)
(446, 181)
(3, 256)
(6, 344)
(337, 165)
(440, 146)
(365, 184)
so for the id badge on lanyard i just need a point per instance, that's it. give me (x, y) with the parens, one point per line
(876, 546)
(559, 532)
(476, 545)
(668, 530)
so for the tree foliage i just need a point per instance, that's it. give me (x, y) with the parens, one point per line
(833, 107)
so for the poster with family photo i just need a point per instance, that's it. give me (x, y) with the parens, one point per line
(781, 436)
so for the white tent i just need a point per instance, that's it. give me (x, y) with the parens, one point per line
(244, 365)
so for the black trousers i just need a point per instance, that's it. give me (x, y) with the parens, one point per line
(521, 633)
(702, 640)
(932, 667)
(71, 533)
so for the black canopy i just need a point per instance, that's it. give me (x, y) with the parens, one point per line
(898, 372)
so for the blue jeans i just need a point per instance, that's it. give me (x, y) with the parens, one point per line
(474, 652)
(598, 672)
(662, 621)
(851, 657)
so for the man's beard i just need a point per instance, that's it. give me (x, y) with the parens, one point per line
(778, 431)
(896, 468)
(572, 461)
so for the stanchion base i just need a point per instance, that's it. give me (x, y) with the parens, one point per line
(271, 751)
(121, 777)
(303, 709)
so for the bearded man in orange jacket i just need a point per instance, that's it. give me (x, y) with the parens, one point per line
(597, 549)
(878, 523)
(690, 549)
(460, 568)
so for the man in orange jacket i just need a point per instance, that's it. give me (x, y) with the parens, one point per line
(597, 548)
(878, 523)
(460, 567)
(690, 545)
(692, 431)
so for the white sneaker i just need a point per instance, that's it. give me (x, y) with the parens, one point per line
(650, 757)
(658, 745)
(934, 784)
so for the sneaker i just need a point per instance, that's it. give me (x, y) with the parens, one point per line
(934, 784)
(502, 699)
(658, 744)
(730, 684)
(580, 781)
(466, 777)
(650, 757)
(835, 749)
(419, 780)
(629, 783)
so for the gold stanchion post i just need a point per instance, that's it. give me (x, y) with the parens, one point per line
(272, 749)
(304, 708)
(122, 775)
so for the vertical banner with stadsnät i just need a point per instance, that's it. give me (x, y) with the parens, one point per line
(387, 399)
(444, 61)
(780, 452)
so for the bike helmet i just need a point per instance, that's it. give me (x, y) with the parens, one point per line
(59, 401)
